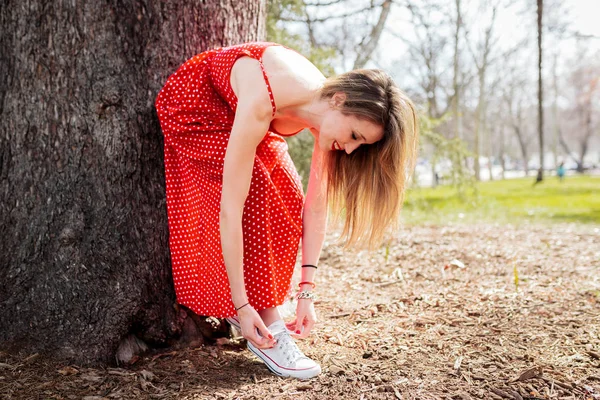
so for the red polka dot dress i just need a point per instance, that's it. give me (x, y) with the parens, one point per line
(196, 109)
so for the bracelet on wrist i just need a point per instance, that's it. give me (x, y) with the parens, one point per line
(306, 295)
(307, 283)
(309, 266)
(240, 307)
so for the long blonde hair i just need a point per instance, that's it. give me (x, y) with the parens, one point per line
(367, 186)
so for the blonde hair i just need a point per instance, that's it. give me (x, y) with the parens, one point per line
(367, 186)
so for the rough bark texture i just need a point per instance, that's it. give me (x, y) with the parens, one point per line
(84, 259)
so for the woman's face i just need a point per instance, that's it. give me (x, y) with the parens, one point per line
(339, 132)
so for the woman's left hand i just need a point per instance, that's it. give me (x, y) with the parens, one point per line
(305, 319)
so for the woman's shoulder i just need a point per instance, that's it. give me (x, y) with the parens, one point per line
(291, 75)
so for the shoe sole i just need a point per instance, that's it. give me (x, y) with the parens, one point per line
(259, 355)
(309, 373)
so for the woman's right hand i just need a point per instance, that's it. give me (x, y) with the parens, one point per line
(254, 329)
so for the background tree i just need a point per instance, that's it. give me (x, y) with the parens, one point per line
(84, 260)
(540, 13)
(582, 88)
(482, 61)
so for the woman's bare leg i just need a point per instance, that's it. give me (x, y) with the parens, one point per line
(269, 315)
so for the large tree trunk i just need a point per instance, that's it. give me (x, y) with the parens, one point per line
(84, 258)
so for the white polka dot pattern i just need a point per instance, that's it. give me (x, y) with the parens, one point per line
(196, 108)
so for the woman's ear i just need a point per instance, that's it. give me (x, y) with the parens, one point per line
(337, 100)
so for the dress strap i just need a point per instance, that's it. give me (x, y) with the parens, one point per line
(258, 57)
(262, 67)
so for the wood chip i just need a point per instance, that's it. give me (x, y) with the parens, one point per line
(384, 284)
(147, 375)
(501, 393)
(68, 371)
(516, 395)
(531, 373)
(119, 372)
(559, 383)
(304, 386)
(340, 315)
(594, 354)
(334, 369)
(457, 364)
(31, 358)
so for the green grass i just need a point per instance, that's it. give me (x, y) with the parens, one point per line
(575, 199)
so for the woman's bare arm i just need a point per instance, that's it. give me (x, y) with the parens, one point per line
(252, 119)
(314, 221)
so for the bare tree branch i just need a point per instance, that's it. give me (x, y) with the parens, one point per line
(346, 15)
(366, 50)
(324, 4)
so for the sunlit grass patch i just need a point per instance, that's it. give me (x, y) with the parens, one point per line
(575, 199)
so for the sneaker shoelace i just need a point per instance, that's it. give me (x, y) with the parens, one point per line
(288, 347)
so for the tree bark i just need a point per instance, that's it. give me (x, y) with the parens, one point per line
(84, 261)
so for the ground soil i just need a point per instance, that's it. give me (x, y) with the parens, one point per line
(517, 316)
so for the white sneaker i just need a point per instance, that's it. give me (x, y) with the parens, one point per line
(286, 359)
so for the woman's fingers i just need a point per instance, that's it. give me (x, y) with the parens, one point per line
(262, 329)
(307, 328)
(300, 322)
(255, 331)
(290, 325)
(259, 341)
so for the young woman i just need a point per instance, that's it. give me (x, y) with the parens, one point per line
(235, 202)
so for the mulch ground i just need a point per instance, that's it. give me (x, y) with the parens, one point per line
(444, 312)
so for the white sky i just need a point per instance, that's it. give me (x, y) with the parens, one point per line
(512, 26)
(585, 14)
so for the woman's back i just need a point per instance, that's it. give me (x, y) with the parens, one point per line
(197, 109)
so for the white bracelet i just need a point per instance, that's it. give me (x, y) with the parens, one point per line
(306, 295)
